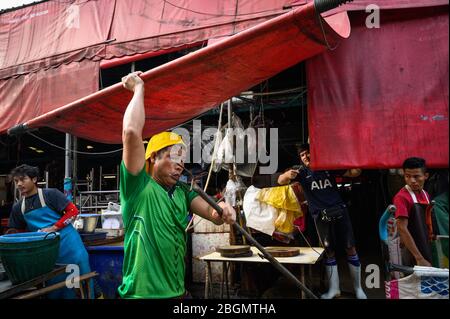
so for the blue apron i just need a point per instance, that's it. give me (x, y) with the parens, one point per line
(71, 249)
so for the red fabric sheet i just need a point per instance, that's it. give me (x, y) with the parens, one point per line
(382, 95)
(36, 93)
(50, 33)
(54, 32)
(142, 26)
(193, 84)
(41, 38)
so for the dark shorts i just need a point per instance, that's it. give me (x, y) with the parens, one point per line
(338, 233)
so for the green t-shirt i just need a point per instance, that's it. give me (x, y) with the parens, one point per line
(441, 213)
(155, 240)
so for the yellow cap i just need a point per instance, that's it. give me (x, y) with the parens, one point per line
(160, 141)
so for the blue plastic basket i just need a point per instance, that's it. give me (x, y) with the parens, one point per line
(27, 255)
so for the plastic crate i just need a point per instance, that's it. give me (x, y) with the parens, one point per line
(107, 261)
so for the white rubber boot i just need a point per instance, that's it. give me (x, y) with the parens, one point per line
(355, 272)
(333, 282)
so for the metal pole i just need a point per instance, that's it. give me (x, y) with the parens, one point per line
(100, 178)
(68, 168)
(117, 178)
(229, 113)
(231, 173)
(46, 179)
(75, 166)
(325, 5)
(91, 186)
(67, 156)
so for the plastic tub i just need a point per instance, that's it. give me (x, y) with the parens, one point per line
(22, 237)
(107, 261)
(27, 255)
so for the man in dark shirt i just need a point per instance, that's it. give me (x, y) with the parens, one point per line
(54, 199)
(330, 216)
(48, 210)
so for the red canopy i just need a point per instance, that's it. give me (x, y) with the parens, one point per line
(182, 89)
(38, 41)
(374, 105)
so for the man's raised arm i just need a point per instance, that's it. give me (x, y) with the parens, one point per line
(133, 124)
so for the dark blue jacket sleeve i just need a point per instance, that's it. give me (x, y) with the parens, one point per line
(16, 219)
(55, 200)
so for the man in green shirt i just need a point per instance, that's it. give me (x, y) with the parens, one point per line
(155, 206)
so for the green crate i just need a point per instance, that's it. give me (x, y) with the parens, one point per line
(26, 260)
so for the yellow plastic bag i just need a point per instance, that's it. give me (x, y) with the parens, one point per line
(283, 199)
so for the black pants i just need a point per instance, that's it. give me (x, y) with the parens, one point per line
(334, 232)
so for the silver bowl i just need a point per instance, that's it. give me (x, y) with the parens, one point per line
(89, 222)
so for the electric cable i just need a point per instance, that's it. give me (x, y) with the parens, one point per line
(72, 151)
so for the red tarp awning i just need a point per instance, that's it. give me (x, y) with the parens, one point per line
(36, 93)
(53, 37)
(193, 84)
(382, 95)
(42, 38)
(52, 33)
